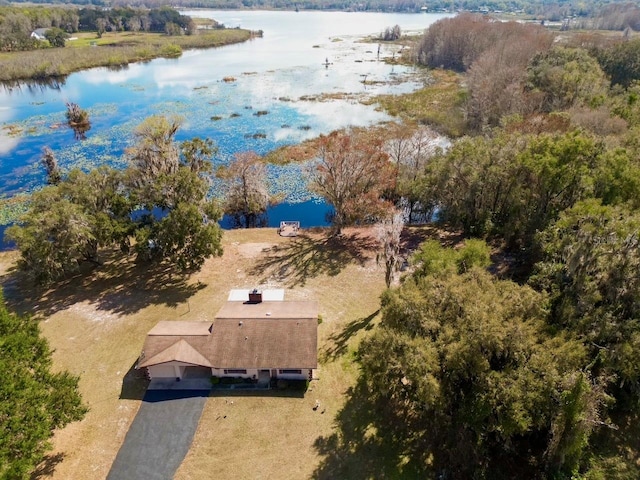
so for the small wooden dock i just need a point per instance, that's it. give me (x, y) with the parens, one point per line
(289, 229)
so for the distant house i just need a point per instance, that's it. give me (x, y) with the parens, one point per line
(39, 33)
(255, 339)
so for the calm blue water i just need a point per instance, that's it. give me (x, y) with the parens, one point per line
(279, 73)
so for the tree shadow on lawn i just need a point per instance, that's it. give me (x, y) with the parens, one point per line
(356, 450)
(307, 257)
(47, 466)
(413, 235)
(338, 342)
(120, 287)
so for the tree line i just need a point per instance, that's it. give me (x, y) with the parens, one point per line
(158, 208)
(532, 373)
(554, 11)
(17, 23)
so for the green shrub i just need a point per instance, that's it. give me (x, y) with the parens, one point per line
(171, 50)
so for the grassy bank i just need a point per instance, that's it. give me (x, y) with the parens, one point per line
(113, 49)
(438, 104)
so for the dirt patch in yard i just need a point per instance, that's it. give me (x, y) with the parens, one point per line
(253, 250)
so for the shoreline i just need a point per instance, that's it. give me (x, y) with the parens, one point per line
(114, 50)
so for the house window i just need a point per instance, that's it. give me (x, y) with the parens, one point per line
(291, 371)
(235, 371)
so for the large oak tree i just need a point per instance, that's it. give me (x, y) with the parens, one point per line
(352, 173)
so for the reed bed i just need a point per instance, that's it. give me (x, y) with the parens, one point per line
(109, 52)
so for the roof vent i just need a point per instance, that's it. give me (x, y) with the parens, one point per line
(240, 323)
(255, 296)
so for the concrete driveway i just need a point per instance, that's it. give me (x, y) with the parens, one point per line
(160, 435)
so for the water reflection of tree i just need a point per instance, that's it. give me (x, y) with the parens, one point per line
(35, 85)
(78, 120)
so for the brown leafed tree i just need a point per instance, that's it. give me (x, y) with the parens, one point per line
(352, 173)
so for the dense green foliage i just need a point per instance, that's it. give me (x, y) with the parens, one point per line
(464, 376)
(56, 37)
(471, 376)
(511, 185)
(161, 201)
(17, 24)
(34, 401)
(621, 62)
(590, 266)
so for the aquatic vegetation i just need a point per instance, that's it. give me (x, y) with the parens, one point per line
(12, 130)
(211, 108)
(12, 208)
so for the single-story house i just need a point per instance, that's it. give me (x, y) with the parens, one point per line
(39, 34)
(256, 339)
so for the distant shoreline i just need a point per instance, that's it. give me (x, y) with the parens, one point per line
(112, 50)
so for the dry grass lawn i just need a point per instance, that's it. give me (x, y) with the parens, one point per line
(96, 323)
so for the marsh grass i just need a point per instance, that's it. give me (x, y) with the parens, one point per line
(112, 50)
(438, 104)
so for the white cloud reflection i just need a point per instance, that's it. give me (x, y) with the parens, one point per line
(8, 142)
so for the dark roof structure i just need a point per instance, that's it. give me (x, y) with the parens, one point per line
(243, 335)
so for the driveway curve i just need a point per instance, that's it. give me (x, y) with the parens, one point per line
(160, 435)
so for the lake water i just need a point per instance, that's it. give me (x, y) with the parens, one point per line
(281, 73)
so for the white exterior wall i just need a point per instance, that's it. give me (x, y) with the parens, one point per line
(305, 375)
(168, 370)
(219, 372)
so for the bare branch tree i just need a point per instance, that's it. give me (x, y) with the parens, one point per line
(50, 163)
(388, 233)
(247, 197)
